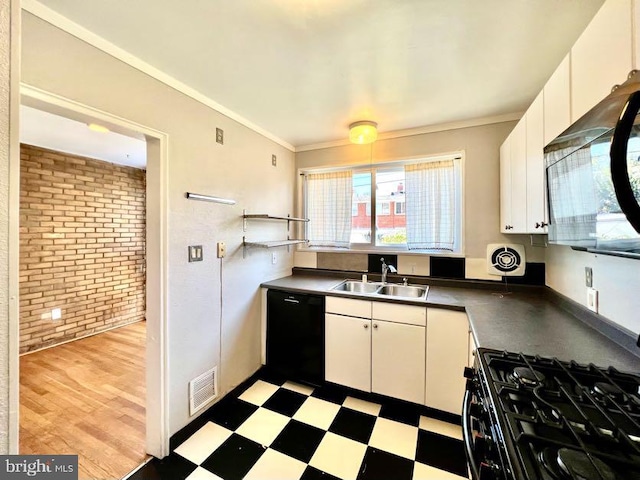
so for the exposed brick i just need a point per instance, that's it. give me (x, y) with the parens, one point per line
(82, 243)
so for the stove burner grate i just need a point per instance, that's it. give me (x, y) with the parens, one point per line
(568, 464)
(526, 377)
(605, 391)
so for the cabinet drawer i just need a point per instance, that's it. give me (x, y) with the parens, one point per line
(398, 313)
(348, 306)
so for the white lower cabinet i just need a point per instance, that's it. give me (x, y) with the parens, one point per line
(397, 360)
(384, 354)
(348, 351)
(447, 355)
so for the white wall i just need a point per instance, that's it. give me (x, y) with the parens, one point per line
(5, 73)
(241, 169)
(9, 211)
(616, 279)
(481, 145)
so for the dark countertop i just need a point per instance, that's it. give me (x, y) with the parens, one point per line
(521, 322)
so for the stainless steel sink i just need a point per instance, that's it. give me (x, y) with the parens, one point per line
(389, 290)
(408, 291)
(357, 287)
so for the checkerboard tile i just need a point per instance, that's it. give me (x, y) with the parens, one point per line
(278, 429)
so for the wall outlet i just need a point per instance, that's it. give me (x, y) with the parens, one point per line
(274, 160)
(588, 276)
(273, 258)
(56, 314)
(592, 299)
(195, 253)
(222, 249)
(220, 136)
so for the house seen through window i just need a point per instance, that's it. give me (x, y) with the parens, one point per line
(402, 206)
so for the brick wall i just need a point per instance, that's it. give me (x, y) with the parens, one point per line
(82, 246)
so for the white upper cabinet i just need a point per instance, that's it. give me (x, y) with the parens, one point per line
(557, 101)
(536, 198)
(602, 57)
(519, 177)
(505, 186)
(522, 186)
(516, 188)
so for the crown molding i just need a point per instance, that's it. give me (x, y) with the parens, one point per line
(474, 122)
(63, 23)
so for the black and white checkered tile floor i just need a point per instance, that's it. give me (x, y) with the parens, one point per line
(275, 429)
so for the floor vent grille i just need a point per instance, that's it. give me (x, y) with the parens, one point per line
(202, 390)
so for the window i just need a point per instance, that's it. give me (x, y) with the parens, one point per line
(407, 206)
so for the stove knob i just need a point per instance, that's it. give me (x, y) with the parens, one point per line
(472, 386)
(469, 373)
(477, 411)
(489, 470)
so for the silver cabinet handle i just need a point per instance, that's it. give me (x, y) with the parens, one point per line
(366, 326)
(375, 325)
(290, 300)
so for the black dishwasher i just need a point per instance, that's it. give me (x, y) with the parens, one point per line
(295, 336)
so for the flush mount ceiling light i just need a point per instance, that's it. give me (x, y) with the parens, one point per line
(363, 132)
(98, 128)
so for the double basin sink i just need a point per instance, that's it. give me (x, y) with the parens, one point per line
(414, 292)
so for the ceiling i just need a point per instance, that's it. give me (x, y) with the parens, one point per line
(55, 132)
(303, 70)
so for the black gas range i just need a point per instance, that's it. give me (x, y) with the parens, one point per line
(528, 417)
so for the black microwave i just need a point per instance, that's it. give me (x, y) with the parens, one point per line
(593, 177)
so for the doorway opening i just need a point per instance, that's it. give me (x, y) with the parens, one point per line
(126, 331)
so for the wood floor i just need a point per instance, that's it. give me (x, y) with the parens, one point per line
(87, 398)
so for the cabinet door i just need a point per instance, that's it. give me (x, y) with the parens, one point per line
(348, 351)
(505, 186)
(536, 210)
(557, 101)
(398, 360)
(601, 57)
(519, 177)
(447, 355)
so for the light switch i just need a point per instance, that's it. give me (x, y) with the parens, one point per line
(195, 253)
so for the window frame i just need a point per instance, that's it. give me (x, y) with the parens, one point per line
(459, 165)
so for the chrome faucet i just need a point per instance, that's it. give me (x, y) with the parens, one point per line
(385, 270)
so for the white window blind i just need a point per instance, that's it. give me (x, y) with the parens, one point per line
(329, 208)
(430, 205)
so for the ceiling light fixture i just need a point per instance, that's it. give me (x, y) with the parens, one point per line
(98, 128)
(363, 132)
